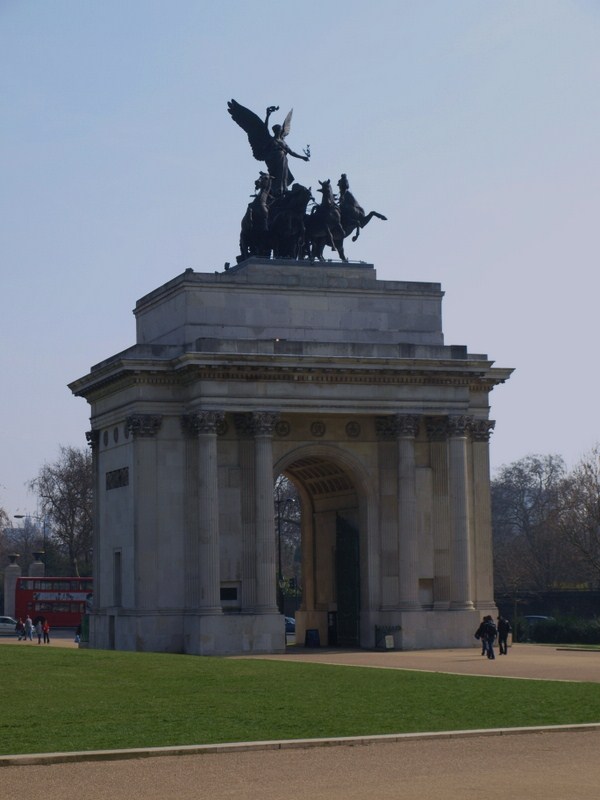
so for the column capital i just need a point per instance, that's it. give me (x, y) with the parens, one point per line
(93, 439)
(145, 425)
(264, 422)
(395, 426)
(407, 425)
(459, 425)
(257, 423)
(482, 429)
(204, 421)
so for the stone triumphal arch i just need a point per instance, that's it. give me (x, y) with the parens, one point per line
(338, 380)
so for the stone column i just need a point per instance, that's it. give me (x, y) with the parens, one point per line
(407, 427)
(247, 501)
(208, 512)
(37, 568)
(484, 570)
(11, 573)
(387, 502)
(460, 512)
(266, 550)
(144, 428)
(204, 569)
(437, 431)
(191, 545)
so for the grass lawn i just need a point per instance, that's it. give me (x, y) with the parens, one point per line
(62, 700)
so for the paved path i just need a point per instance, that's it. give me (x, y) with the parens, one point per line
(537, 662)
(532, 766)
(548, 766)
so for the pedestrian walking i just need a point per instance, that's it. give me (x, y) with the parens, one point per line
(489, 633)
(20, 629)
(28, 628)
(479, 635)
(39, 630)
(503, 630)
(46, 632)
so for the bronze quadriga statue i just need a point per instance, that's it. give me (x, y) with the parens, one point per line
(276, 223)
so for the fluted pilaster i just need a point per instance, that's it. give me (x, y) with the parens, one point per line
(437, 432)
(484, 571)
(144, 429)
(407, 427)
(204, 547)
(460, 511)
(263, 423)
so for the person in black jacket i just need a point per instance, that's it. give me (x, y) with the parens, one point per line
(503, 630)
(488, 635)
(479, 635)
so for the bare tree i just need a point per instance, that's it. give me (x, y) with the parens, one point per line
(4, 526)
(580, 518)
(64, 489)
(530, 551)
(24, 540)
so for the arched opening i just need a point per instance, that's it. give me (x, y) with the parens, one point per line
(318, 513)
(289, 548)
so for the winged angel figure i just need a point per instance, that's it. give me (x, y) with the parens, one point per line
(272, 149)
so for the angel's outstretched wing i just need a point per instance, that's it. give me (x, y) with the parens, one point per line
(287, 124)
(258, 135)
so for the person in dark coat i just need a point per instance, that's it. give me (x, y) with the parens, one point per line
(488, 635)
(503, 630)
(479, 635)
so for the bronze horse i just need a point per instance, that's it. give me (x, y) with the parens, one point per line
(287, 232)
(353, 215)
(274, 225)
(278, 225)
(324, 226)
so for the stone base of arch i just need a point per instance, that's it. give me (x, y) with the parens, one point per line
(189, 633)
(410, 630)
(338, 380)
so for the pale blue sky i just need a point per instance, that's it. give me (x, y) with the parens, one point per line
(473, 125)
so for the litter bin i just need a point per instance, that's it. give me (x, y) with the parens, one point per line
(312, 638)
(384, 636)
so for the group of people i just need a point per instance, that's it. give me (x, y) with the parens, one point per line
(488, 632)
(25, 630)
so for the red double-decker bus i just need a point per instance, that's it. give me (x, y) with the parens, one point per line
(62, 601)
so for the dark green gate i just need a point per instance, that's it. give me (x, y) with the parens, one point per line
(347, 578)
